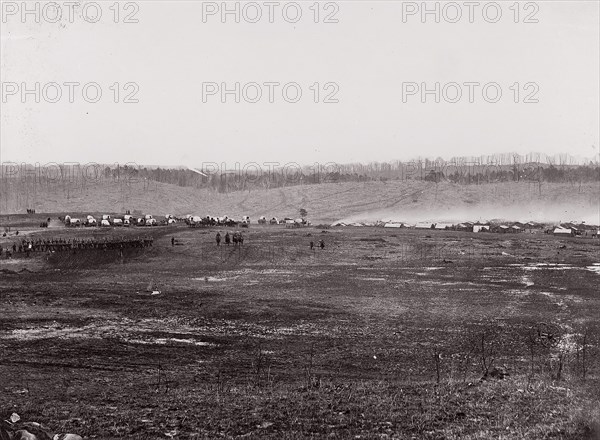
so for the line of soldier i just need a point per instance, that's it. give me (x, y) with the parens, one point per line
(58, 245)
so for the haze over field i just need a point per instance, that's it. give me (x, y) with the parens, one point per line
(409, 201)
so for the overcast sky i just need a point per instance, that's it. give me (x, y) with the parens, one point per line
(371, 53)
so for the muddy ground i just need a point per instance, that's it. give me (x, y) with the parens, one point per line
(382, 334)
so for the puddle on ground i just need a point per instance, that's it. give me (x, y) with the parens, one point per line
(276, 272)
(49, 332)
(140, 331)
(118, 330)
(559, 299)
(165, 341)
(548, 266)
(594, 268)
(371, 279)
(527, 281)
(212, 279)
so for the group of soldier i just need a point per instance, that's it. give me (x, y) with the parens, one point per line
(62, 245)
(49, 245)
(320, 243)
(237, 238)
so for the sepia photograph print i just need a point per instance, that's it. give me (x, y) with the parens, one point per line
(311, 219)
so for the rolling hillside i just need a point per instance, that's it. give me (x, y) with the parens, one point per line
(325, 203)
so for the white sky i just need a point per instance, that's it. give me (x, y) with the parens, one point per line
(369, 54)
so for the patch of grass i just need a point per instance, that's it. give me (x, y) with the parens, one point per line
(329, 408)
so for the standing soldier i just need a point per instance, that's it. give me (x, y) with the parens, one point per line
(218, 239)
(321, 244)
(312, 245)
(227, 239)
(172, 241)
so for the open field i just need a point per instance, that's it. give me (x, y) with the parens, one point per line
(383, 334)
(326, 202)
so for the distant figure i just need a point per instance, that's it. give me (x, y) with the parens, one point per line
(227, 239)
(321, 244)
(312, 245)
(218, 239)
(172, 241)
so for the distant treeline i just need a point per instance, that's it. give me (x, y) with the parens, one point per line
(234, 177)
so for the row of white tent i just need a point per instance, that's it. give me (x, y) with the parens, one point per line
(438, 226)
(222, 219)
(246, 220)
(125, 220)
(474, 227)
(289, 222)
(392, 224)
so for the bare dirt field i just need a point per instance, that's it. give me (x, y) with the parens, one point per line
(382, 334)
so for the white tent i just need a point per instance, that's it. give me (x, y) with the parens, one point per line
(393, 225)
(424, 225)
